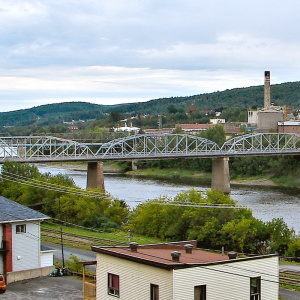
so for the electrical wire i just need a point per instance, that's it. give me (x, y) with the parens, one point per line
(51, 187)
(76, 189)
(209, 268)
(34, 237)
(78, 192)
(176, 203)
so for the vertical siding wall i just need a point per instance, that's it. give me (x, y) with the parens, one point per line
(135, 279)
(228, 281)
(26, 246)
(46, 258)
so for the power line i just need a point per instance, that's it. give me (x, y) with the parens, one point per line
(222, 271)
(51, 187)
(34, 237)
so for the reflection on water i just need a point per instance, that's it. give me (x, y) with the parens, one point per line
(266, 203)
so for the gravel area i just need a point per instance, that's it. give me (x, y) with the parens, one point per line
(46, 288)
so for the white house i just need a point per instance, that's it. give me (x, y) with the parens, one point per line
(128, 128)
(20, 244)
(177, 271)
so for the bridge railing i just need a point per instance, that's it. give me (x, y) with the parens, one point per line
(145, 146)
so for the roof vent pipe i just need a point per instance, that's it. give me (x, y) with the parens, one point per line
(188, 248)
(133, 246)
(232, 254)
(175, 255)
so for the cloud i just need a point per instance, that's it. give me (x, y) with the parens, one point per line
(123, 50)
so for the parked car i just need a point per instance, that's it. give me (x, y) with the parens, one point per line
(2, 284)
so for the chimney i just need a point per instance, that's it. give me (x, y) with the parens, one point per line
(133, 246)
(232, 254)
(175, 255)
(188, 248)
(267, 90)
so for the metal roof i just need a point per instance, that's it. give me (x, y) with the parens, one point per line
(11, 211)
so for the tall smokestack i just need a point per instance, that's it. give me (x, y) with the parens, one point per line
(267, 95)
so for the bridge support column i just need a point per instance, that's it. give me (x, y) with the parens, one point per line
(134, 166)
(95, 177)
(220, 174)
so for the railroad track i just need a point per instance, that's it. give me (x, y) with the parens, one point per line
(288, 277)
(72, 238)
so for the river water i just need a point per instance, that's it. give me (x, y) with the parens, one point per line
(266, 203)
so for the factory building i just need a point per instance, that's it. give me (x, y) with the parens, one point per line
(267, 118)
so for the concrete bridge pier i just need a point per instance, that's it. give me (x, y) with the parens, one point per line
(134, 166)
(95, 177)
(220, 174)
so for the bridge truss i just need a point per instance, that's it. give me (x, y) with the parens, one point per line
(145, 146)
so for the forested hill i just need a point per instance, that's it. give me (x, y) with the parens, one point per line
(282, 94)
(45, 114)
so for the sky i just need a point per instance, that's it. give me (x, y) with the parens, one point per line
(122, 51)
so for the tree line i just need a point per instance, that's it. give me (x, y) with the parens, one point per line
(214, 228)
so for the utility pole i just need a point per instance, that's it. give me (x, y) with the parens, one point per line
(159, 122)
(61, 235)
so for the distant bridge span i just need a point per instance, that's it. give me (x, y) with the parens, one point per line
(42, 149)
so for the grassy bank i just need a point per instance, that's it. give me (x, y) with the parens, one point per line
(194, 176)
(184, 175)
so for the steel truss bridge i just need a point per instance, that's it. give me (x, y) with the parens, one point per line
(38, 149)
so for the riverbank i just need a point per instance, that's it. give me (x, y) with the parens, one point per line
(292, 181)
(185, 175)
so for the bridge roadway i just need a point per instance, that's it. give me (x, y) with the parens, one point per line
(42, 149)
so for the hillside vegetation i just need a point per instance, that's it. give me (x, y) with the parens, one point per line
(52, 113)
(282, 94)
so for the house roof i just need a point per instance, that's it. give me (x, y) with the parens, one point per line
(11, 211)
(159, 255)
(194, 126)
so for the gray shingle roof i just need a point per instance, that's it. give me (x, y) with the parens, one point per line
(11, 211)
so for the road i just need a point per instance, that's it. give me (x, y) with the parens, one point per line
(83, 255)
(295, 268)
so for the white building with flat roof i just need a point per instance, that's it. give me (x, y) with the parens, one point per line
(177, 271)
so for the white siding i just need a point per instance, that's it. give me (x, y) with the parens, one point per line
(46, 258)
(135, 279)
(228, 281)
(26, 247)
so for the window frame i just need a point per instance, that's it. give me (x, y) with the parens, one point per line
(154, 291)
(203, 289)
(111, 289)
(20, 228)
(255, 295)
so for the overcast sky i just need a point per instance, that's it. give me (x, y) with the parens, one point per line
(118, 51)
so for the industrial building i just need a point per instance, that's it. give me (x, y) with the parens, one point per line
(266, 119)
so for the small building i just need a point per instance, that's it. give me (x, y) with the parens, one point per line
(158, 131)
(194, 128)
(289, 127)
(178, 270)
(126, 128)
(268, 118)
(21, 256)
(217, 121)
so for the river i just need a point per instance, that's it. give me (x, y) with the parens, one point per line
(266, 203)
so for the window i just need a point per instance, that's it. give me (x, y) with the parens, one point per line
(21, 228)
(113, 285)
(200, 292)
(154, 292)
(255, 283)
